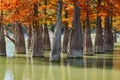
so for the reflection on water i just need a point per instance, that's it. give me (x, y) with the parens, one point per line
(98, 67)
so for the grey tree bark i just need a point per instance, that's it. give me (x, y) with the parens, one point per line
(66, 35)
(108, 35)
(88, 48)
(56, 42)
(75, 45)
(99, 41)
(29, 36)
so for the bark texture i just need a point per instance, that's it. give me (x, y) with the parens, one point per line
(19, 39)
(108, 35)
(88, 48)
(37, 47)
(75, 45)
(66, 35)
(115, 35)
(46, 38)
(56, 42)
(2, 41)
(29, 37)
(99, 41)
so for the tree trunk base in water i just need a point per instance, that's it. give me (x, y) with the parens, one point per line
(38, 55)
(89, 51)
(99, 49)
(2, 54)
(108, 48)
(75, 54)
(54, 58)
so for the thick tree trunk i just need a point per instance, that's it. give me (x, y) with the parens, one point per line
(2, 41)
(99, 41)
(66, 35)
(37, 47)
(88, 48)
(46, 38)
(19, 39)
(56, 42)
(75, 45)
(108, 35)
(29, 37)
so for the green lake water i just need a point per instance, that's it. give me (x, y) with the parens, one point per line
(97, 67)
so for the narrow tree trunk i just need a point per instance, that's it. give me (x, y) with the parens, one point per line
(37, 46)
(88, 48)
(46, 38)
(19, 39)
(75, 45)
(66, 35)
(115, 36)
(108, 37)
(29, 36)
(99, 41)
(56, 42)
(2, 41)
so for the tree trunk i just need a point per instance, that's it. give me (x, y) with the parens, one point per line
(56, 42)
(99, 41)
(88, 48)
(115, 36)
(37, 47)
(108, 37)
(66, 35)
(2, 41)
(46, 38)
(19, 39)
(29, 36)
(75, 45)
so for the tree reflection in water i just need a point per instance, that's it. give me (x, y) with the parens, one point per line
(98, 67)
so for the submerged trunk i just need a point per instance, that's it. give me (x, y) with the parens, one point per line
(37, 47)
(19, 39)
(66, 35)
(108, 35)
(88, 48)
(2, 41)
(99, 41)
(56, 42)
(75, 45)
